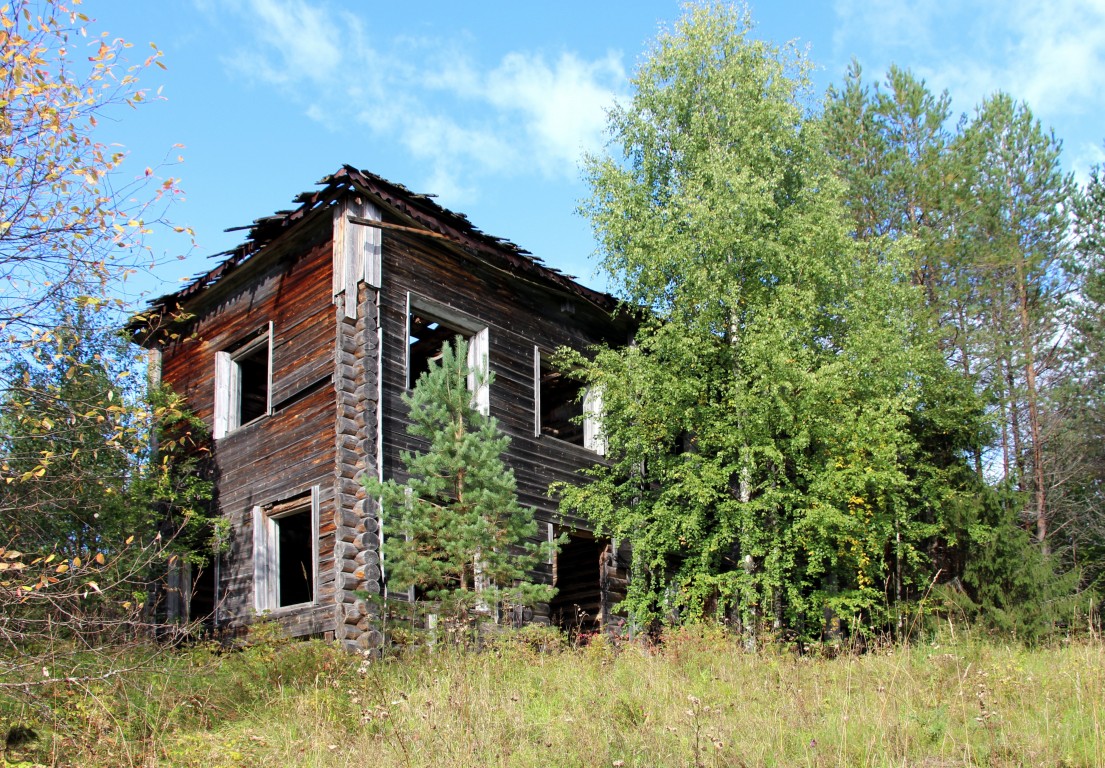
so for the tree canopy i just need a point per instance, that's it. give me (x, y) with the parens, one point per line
(842, 394)
(762, 424)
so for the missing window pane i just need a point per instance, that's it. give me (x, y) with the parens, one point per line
(253, 379)
(426, 338)
(295, 573)
(561, 406)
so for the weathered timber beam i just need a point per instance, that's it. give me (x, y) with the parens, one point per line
(399, 227)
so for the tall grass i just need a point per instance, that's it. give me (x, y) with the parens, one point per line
(697, 700)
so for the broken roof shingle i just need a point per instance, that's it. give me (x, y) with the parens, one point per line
(419, 208)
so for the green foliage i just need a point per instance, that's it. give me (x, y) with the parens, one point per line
(79, 473)
(982, 212)
(456, 532)
(92, 514)
(89, 514)
(697, 697)
(760, 430)
(1080, 499)
(1012, 587)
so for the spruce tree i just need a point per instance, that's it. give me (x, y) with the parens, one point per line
(456, 532)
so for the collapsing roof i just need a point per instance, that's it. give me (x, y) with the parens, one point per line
(421, 212)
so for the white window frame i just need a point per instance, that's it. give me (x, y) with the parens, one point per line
(592, 410)
(228, 383)
(479, 346)
(266, 550)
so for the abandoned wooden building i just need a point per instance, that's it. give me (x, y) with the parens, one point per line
(295, 350)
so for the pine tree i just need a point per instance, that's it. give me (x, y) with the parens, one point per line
(456, 532)
(1079, 501)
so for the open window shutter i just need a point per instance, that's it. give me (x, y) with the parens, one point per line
(224, 395)
(263, 576)
(316, 494)
(268, 384)
(592, 421)
(478, 360)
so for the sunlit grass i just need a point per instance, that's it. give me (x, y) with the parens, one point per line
(698, 700)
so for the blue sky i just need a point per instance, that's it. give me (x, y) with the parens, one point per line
(490, 104)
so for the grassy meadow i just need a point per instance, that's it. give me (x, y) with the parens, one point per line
(698, 699)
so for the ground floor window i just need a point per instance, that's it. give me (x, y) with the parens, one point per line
(285, 552)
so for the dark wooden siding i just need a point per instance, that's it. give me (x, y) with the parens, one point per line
(324, 390)
(289, 451)
(519, 316)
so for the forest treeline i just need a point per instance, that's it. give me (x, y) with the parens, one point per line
(869, 375)
(866, 385)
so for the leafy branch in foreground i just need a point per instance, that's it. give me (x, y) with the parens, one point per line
(70, 223)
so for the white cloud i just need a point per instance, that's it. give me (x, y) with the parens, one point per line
(563, 107)
(522, 115)
(294, 41)
(1085, 157)
(1059, 53)
(887, 24)
(1050, 55)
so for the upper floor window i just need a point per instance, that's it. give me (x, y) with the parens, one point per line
(429, 326)
(243, 381)
(564, 408)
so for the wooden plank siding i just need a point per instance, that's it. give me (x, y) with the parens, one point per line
(279, 455)
(337, 380)
(519, 317)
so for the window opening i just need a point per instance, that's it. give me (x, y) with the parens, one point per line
(285, 552)
(253, 382)
(560, 411)
(426, 337)
(243, 382)
(295, 562)
(428, 328)
(565, 409)
(577, 576)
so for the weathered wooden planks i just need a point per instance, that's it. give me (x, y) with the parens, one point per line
(338, 376)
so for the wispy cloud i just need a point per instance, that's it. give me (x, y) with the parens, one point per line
(525, 114)
(293, 41)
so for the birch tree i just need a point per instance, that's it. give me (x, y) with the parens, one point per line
(759, 426)
(71, 223)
